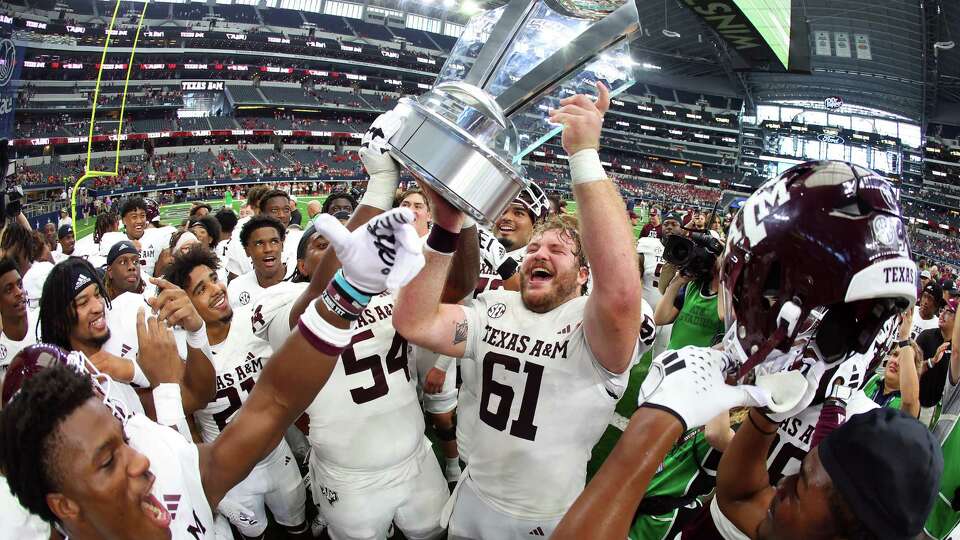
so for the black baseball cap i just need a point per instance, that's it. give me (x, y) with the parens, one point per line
(64, 230)
(886, 466)
(121, 248)
(933, 289)
(949, 287)
(675, 216)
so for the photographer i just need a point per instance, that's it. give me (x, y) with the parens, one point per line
(690, 300)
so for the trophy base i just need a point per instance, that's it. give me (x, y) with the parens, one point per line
(464, 172)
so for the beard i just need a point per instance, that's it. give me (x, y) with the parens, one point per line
(563, 288)
(506, 243)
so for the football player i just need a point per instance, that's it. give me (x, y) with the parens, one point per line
(18, 322)
(95, 479)
(67, 244)
(238, 359)
(237, 261)
(76, 315)
(650, 252)
(552, 362)
(123, 270)
(370, 463)
(277, 204)
(133, 214)
(262, 238)
(842, 293)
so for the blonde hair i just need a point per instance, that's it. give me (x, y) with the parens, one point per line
(567, 227)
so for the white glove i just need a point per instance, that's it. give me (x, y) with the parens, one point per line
(690, 384)
(384, 172)
(812, 370)
(386, 253)
(845, 380)
(237, 513)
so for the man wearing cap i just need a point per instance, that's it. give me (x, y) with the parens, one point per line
(64, 218)
(652, 228)
(950, 290)
(924, 278)
(926, 311)
(67, 243)
(123, 270)
(935, 344)
(944, 518)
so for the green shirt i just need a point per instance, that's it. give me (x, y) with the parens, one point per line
(874, 391)
(698, 322)
(688, 471)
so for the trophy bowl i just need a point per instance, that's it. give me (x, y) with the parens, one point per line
(466, 137)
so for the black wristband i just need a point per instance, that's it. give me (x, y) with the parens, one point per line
(903, 343)
(442, 240)
(755, 426)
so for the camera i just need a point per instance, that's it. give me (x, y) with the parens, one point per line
(694, 255)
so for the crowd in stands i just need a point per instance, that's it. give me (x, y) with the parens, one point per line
(943, 248)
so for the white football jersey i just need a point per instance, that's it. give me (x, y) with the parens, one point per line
(123, 341)
(245, 291)
(17, 521)
(366, 424)
(33, 282)
(652, 251)
(238, 362)
(236, 261)
(795, 434)
(544, 402)
(9, 347)
(175, 463)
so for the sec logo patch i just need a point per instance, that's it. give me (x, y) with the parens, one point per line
(244, 298)
(497, 310)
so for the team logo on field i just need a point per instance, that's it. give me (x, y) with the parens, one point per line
(244, 298)
(497, 310)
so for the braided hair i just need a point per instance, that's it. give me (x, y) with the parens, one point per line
(57, 311)
(106, 222)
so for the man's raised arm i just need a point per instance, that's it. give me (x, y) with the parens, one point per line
(418, 314)
(299, 369)
(613, 312)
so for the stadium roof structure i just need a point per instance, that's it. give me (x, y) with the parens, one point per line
(893, 69)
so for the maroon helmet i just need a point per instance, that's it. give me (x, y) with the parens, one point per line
(823, 236)
(534, 200)
(153, 210)
(27, 363)
(39, 356)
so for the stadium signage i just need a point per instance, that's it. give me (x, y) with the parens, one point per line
(6, 20)
(318, 73)
(37, 24)
(201, 85)
(389, 54)
(151, 66)
(116, 32)
(32, 64)
(238, 37)
(426, 60)
(195, 66)
(73, 66)
(154, 33)
(76, 29)
(191, 34)
(317, 44)
(272, 39)
(237, 67)
(734, 26)
(833, 103)
(349, 48)
(830, 139)
(113, 66)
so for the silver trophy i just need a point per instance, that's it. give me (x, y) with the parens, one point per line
(489, 107)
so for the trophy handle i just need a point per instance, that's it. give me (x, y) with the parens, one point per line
(476, 98)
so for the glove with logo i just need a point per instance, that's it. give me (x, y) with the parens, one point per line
(386, 253)
(690, 384)
(383, 170)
